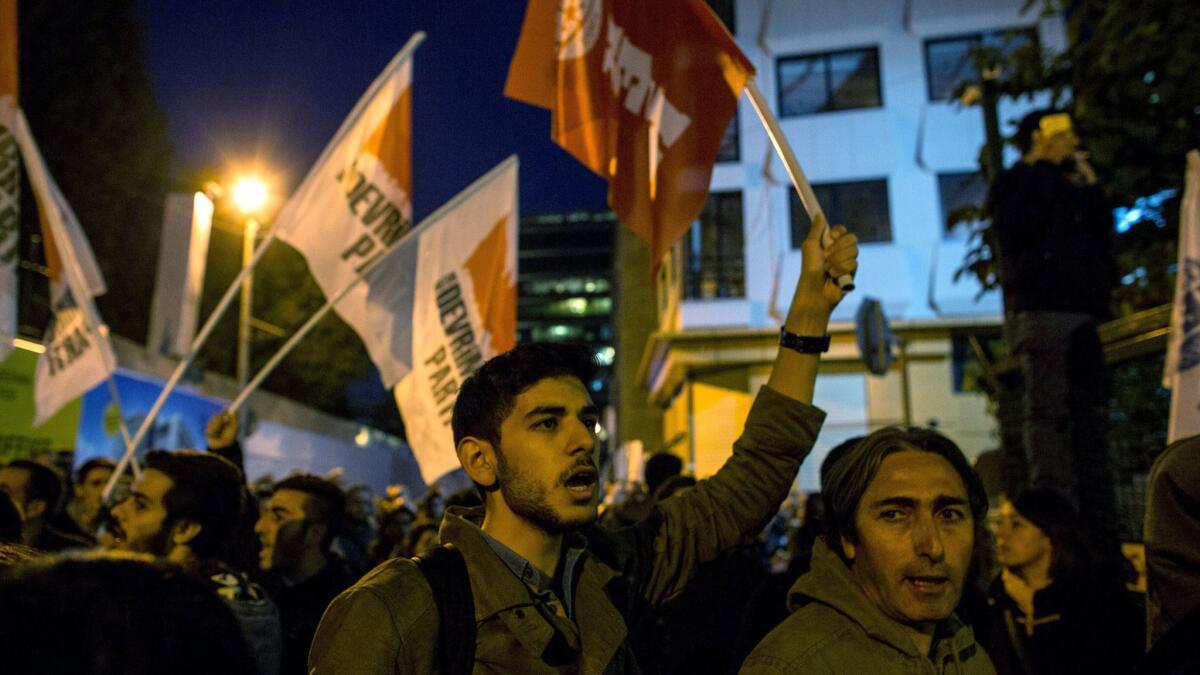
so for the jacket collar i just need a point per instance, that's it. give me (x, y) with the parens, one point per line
(601, 627)
(829, 582)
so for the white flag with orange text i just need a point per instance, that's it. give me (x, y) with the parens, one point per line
(448, 301)
(77, 354)
(355, 203)
(10, 176)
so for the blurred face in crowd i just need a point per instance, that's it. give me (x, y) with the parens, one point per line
(142, 518)
(283, 530)
(1019, 543)
(14, 482)
(91, 489)
(546, 467)
(915, 535)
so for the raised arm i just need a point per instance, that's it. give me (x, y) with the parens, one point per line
(734, 505)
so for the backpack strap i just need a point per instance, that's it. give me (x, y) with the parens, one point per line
(446, 571)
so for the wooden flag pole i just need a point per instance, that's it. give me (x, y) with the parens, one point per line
(201, 338)
(792, 165)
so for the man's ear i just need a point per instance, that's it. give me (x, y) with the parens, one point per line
(478, 459)
(184, 532)
(848, 549)
(315, 533)
(35, 508)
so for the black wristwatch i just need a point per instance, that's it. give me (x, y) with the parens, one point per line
(803, 343)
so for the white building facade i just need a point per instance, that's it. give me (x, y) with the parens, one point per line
(864, 92)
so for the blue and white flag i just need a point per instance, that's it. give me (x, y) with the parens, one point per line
(1182, 372)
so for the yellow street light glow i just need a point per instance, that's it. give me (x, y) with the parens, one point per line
(28, 345)
(249, 195)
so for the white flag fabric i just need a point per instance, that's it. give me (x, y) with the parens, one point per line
(356, 202)
(447, 300)
(10, 221)
(77, 355)
(1182, 372)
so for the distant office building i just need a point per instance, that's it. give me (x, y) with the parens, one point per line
(564, 285)
(864, 91)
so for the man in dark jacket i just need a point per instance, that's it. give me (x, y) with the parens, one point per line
(37, 492)
(185, 508)
(297, 526)
(551, 591)
(1053, 229)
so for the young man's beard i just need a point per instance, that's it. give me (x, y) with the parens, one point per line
(159, 543)
(528, 500)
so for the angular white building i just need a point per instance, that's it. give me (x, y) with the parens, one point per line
(863, 89)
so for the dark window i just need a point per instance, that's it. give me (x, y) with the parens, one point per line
(831, 81)
(959, 189)
(861, 206)
(729, 152)
(725, 11)
(713, 262)
(949, 61)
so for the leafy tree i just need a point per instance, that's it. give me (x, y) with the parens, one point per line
(85, 90)
(1128, 79)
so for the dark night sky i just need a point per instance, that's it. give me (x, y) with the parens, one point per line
(270, 81)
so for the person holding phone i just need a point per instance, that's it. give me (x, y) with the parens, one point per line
(1053, 227)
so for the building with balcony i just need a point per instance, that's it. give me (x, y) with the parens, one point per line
(864, 90)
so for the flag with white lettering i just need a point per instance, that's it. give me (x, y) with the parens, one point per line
(447, 300)
(355, 203)
(1182, 372)
(77, 355)
(10, 176)
(641, 93)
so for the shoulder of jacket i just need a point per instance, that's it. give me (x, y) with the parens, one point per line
(400, 586)
(811, 635)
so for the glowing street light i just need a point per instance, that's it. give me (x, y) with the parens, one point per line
(250, 195)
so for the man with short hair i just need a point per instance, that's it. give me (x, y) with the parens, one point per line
(902, 510)
(36, 490)
(296, 527)
(550, 591)
(185, 508)
(90, 478)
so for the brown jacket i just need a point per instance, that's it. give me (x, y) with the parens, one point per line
(834, 628)
(387, 622)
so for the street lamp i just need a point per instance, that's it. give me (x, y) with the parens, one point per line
(249, 196)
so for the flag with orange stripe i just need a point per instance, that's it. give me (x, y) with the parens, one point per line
(355, 204)
(639, 92)
(445, 302)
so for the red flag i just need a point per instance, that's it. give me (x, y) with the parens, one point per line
(641, 93)
(8, 49)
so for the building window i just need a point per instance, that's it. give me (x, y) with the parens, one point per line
(713, 261)
(959, 189)
(729, 152)
(724, 10)
(861, 206)
(832, 81)
(949, 61)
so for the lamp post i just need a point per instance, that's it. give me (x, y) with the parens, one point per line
(249, 195)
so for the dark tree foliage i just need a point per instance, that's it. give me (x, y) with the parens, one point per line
(1128, 79)
(86, 92)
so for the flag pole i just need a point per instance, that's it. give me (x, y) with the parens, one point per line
(784, 149)
(362, 274)
(181, 367)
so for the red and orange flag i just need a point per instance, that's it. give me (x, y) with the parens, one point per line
(641, 93)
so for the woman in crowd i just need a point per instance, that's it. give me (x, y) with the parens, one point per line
(1051, 609)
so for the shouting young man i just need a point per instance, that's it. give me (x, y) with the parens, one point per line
(550, 591)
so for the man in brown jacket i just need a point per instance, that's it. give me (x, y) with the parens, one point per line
(902, 509)
(551, 591)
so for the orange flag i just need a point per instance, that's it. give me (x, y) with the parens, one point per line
(641, 93)
(8, 49)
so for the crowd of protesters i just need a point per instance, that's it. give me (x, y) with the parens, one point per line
(901, 564)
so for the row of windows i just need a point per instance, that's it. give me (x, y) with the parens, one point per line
(849, 79)
(713, 261)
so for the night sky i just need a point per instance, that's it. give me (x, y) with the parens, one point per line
(269, 82)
